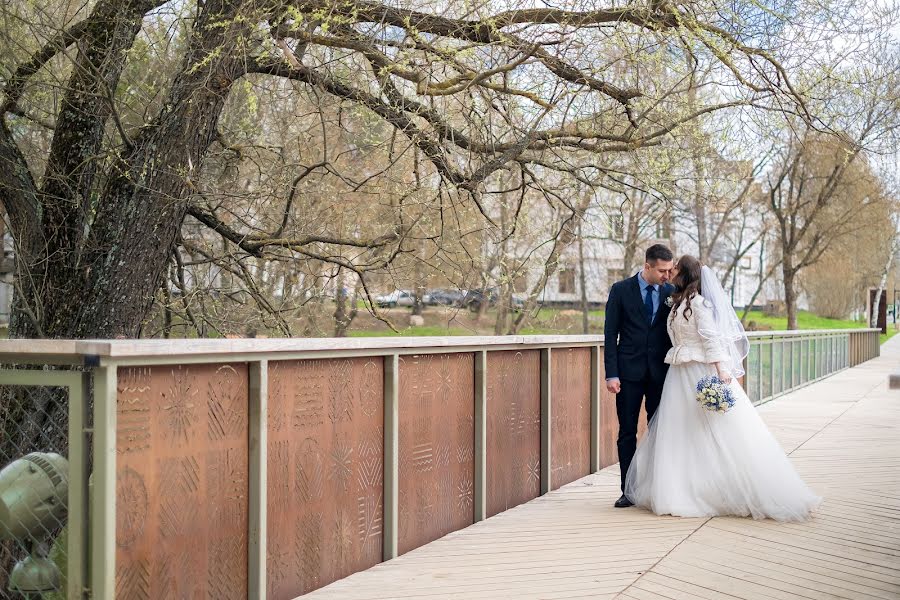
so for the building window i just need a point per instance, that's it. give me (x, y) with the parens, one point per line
(566, 280)
(663, 229)
(617, 226)
(747, 262)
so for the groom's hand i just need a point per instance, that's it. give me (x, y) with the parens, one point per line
(613, 386)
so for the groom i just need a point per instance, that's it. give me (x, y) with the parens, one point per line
(636, 344)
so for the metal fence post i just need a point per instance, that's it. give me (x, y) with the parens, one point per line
(103, 511)
(258, 476)
(546, 419)
(391, 453)
(480, 435)
(596, 395)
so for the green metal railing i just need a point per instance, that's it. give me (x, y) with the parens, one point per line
(780, 362)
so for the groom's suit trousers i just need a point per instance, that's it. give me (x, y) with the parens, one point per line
(628, 409)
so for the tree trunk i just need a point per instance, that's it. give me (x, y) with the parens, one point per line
(340, 307)
(116, 266)
(876, 304)
(790, 293)
(585, 308)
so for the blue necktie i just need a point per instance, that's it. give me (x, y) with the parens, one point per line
(648, 303)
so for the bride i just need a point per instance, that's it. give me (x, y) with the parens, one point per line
(698, 463)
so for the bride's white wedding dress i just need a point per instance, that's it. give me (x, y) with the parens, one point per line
(697, 463)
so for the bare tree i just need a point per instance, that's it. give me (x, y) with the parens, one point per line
(816, 196)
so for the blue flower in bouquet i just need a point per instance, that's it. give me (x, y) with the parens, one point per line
(714, 394)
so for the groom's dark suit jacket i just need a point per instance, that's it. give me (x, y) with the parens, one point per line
(632, 345)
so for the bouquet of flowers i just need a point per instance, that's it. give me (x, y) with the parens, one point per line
(714, 394)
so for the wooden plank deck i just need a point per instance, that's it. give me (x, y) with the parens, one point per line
(843, 435)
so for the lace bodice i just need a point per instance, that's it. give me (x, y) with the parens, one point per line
(687, 343)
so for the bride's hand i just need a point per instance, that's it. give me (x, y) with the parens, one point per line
(724, 376)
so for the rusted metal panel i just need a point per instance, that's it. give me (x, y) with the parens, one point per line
(325, 472)
(514, 429)
(437, 437)
(182, 482)
(571, 415)
(609, 422)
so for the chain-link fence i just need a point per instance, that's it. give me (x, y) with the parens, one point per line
(42, 472)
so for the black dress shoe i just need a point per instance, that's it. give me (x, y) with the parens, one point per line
(623, 502)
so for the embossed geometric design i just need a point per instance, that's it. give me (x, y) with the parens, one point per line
(309, 403)
(227, 405)
(369, 524)
(227, 486)
(133, 581)
(514, 428)
(132, 504)
(185, 429)
(437, 436)
(309, 478)
(340, 401)
(571, 421)
(309, 550)
(171, 581)
(278, 564)
(180, 405)
(226, 577)
(343, 535)
(279, 464)
(332, 464)
(178, 495)
(342, 462)
(465, 492)
(370, 389)
(278, 400)
(370, 462)
(133, 412)
(609, 423)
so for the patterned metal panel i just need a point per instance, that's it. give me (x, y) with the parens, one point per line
(182, 482)
(609, 422)
(325, 472)
(513, 428)
(437, 439)
(571, 415)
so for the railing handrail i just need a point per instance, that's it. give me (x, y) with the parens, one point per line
(186, 347)
(69, 351)
(805, 332)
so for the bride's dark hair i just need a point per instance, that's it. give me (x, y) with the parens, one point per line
(687, 284)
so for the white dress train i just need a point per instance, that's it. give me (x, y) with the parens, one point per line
(697, 463)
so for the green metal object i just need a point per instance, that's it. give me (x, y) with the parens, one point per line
(33, 494)
(35, 575)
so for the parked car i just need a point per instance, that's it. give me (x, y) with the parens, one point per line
(446, 297)
(518, 301)
(475, 298)
(399, 298)
(396, 298)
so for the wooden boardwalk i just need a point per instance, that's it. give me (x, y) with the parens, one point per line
(843, 434)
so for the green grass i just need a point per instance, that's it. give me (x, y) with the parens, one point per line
(432, 330)
(805, 320)
(808, 320)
